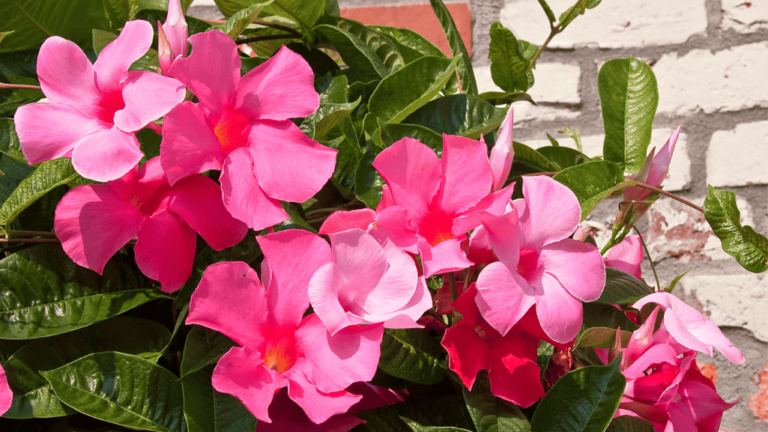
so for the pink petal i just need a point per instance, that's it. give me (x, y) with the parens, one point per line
(111, 67)
(106, 155)
(503, 233)
(288, 416)
(412, 172)
(293, 257)
(198, 203)
(407, 316)
(231, 300)
(346, 220)
(493, 204)
(278, 89)
(148, 96)
(189, 145)
(242, 374)
(467, 353)
(480, 247)
(49, 131)
(397, 286)
(165, 250)
(626, 256)
(66, 76)
(360, 261)
(335, 362)
(650, 388)
(656, 355)
(514, 374)
(467, 176)
(290, 166)
(560, 314)
(700, 401)
(212, 71)
(446, 256)
(503, 297)
(551, 212)
(324, 297)
(386, 199)
(318, 405)
(243, 197)
(660, 165)
(503, 152)
(146, 187)
(6, 395)
(93, 223)
(394, 223)
(577, 266)
(175, 29)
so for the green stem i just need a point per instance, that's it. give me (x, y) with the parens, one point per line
(265, 38)
(554, 30)
(276, 26)
(648, 254)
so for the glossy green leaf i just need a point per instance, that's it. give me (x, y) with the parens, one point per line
(674, 282)
(622, 288)
(630, 424)
(603, 315)
(411, 45)
(593, 182)
(582, 400)
(9, 141)
(347, 158)
(601, 337)
(203, 347)
(206, 410)
(122, 389)
(532, 158)
(412, 355)
(18, 68)
(458, 50)
(505, 98)
(492, 414)
(563, 157)
(329, 115)
(415, 427)
(509, 63)
(739, 241)
(577, 9)
(460, 114)
(392, 133)
(629, 97)
(102, 38)
(368, 182)
(548, 11)
(434, 411)
(303, 12)
(241, 19)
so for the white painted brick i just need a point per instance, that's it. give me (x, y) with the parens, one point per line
(612, 24)
(555, 82)
(526, 113)
(730, 300)
(739, 157)
(745, 17)
(729, 80)
(203, 3)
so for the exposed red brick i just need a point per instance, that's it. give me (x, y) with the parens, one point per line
(417, 17)
(708, 371)
(758, 402)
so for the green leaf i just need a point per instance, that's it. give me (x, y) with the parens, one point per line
(329, 115)
(368, 182)
(392, 133)
(14, 172)
(241, 19)
(630, 424)
(532, 158)
(509, 60)
(412, 355)
(575, 135)
(548, 11)
(303, 12)
(492, 414)
(672, 285)
(601, 337)
(403, 92)
(347, 158)
(102, 38)
(629, 97)
(563, 157)
(460, 114)
(411, 45)
(434, 410)
(9, 141)
(505, 98)
(206, 410)
(203, 347)
(33, 395)
(603, 315)
(18, 68)
(458, 50)
(577, 9)
(582, 400)
(593, 182)
(622, 288)
(415, 427)
(741, 242)
(122, 389)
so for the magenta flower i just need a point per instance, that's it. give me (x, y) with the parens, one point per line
(95, 109)
(241, 127)
(278, 347)
(368, 283)
(172, 37)
(626, 256)
(539, 264)
(94, 221)
(6, 395)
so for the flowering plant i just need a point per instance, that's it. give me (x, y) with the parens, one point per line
(376, 253)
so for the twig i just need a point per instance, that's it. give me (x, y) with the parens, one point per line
(19, 87)
(32, 234)
(276, 26)
(30, 240)
(554, 30)
(650, 260)
(673, 196)
(264, 38)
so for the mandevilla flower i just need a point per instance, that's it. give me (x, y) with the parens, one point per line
(626, 256)
(241, 126)
(6, 395)
(538, 264)
(172, 37)
(278, 347)
(368, 283)
(95, 221)
(95, 109)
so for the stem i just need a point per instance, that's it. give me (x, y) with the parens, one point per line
(648, 254)
(30, 240)
(31, 234)
(554, 30)
(19, 87)
(673, 196)
(265, 38)
(452, 286)
(276, 26)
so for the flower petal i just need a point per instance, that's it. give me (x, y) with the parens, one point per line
(394, 223)
(577, 266)
(6, 395)
(93, 222)
(111, 67)
(319, 406)
(288, 416)
(189, 145)
(148, 96)
(467, 353)
(176, 29)
(407, 316)
(324, 298)
(446, 256)
(503, 297)
(660, 165)
(503, 233)
(503, 152)
(106, 155)
(346, 220)
(560, 314)
(66, 76)
(493, 204)
(165, 250)
(278, 89)
(514, 374)
(551, 212)
(230, 299)
(467, 176)
(626, 256)
(397, 286)
(360, 261)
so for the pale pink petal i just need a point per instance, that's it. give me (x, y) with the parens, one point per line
(660, 165)
(189, 145)
(111, 67)
(242, 374)
(197, 201)
(165, 55)
(412, 172)
(6, 395)
(503, 297)
(335, 362)
(106, 155)
(318, 405)
(346, 220)
(231, 300)
(467, 353)
(551, 212)
(93, 223)
(494, 204)
(290, 166)
(324, 298)
(175, 29)
(394, 223)
(407, 316)
(165, 250)
(278, 89)
(360, 261)
(148, 96)
(396, 287)
(49, 131)
(503, 235)
(212, 71)
(293, 257)
(467, 176)
(444, 257)
(66, 76)
(626, 256)
(560, 314)
(503, 152)
(243, 197)
(514, 374)
(577, 266)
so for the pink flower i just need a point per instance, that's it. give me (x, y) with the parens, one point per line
(689, 328)
(368, 283)
(95, 221)
(95, 109)
(510, 360)
(172, 37)
(539, 264)
(6, 395)
(627, 256)
(241, 126)
(503, 152)
(278, 347)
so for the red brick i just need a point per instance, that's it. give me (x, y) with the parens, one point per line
(758, 402)
(708, 371)
(417, 17)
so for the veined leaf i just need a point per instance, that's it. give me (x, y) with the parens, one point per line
(509, 60)
(439, 411)
(601, 337)
(415, 427)
(630, 424)
(577, 9)
(203, 347)
(206, 410)
(532, 158)
(241, 19)
(411, 355)
(466, 72)
(593, 182)
(603, 315)
(392, 133)
(563, 157)
(490, 413)
(622, 288)
(460, 114)
(368, 182)
(9, 141)
(411, 45)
